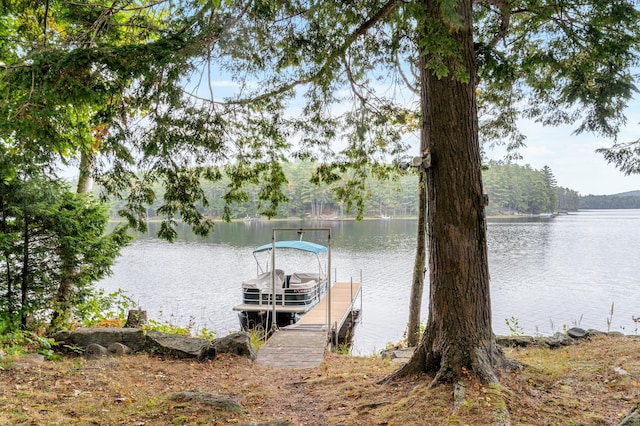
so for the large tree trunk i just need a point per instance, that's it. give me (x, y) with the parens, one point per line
(458, 334)
(417, 286)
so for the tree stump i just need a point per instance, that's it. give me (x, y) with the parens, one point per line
(136, 318)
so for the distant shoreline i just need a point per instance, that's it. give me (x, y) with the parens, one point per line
(343, 219)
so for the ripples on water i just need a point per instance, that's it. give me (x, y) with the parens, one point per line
(545, 273)
(567, 271)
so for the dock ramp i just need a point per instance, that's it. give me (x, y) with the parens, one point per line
(302, 345)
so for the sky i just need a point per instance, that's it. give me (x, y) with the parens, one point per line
(572, 158)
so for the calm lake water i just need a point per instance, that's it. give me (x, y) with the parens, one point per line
(545, 273)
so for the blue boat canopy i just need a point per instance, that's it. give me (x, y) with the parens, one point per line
(297, 245)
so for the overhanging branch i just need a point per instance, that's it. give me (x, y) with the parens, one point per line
(335, 55)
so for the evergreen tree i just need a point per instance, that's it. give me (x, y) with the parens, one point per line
(551, 185)
(54, 248)
(568, 200)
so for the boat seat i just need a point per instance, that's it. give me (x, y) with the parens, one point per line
(303, 280)
(263, 281)
(306, 284)
(303, 277)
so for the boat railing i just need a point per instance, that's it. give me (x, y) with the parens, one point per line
(297, 294)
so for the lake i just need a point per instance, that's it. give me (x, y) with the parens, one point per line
(579, 269)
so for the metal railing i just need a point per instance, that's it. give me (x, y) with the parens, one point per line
(286, 296)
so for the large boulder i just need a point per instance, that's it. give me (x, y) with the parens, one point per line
(577, 333)
(179, 346)
(558, 340)
(95, 351)
(515, 341)
(133, 338)
(237, 344)
(121, 341)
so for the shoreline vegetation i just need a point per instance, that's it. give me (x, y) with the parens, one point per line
(528, 191)
(347, 218)
(595, 382)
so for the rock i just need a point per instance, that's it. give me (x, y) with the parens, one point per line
(615, 334)
(206, 398)
(592, 332)
(95, 351)
(208, 352)
(402, 356)
(180, 346)
(61, 336)
(134, 338)
(26, 361)
(121, 341)
(236, 344)
(514, 341)
(558, 340)
(577, 333)
(118, 349)
(399, 356)
(633, 418)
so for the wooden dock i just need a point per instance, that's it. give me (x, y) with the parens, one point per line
(302, 345)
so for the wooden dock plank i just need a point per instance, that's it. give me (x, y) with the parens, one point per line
(343, 295)
(288, 348)
(302, 344)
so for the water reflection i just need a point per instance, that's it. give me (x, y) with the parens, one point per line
(546, 273)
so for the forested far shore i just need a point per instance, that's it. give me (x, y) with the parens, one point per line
(617, 201)
(511, 189)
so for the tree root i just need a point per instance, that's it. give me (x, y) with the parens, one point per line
(459, 391)
(484, 365)
(501, 417)
(499, 412)
(486, 362)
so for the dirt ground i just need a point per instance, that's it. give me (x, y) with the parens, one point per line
(596, 382)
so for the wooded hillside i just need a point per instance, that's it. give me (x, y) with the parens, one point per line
(511, 189)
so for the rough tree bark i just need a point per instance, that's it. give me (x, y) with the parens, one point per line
(458, 333)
